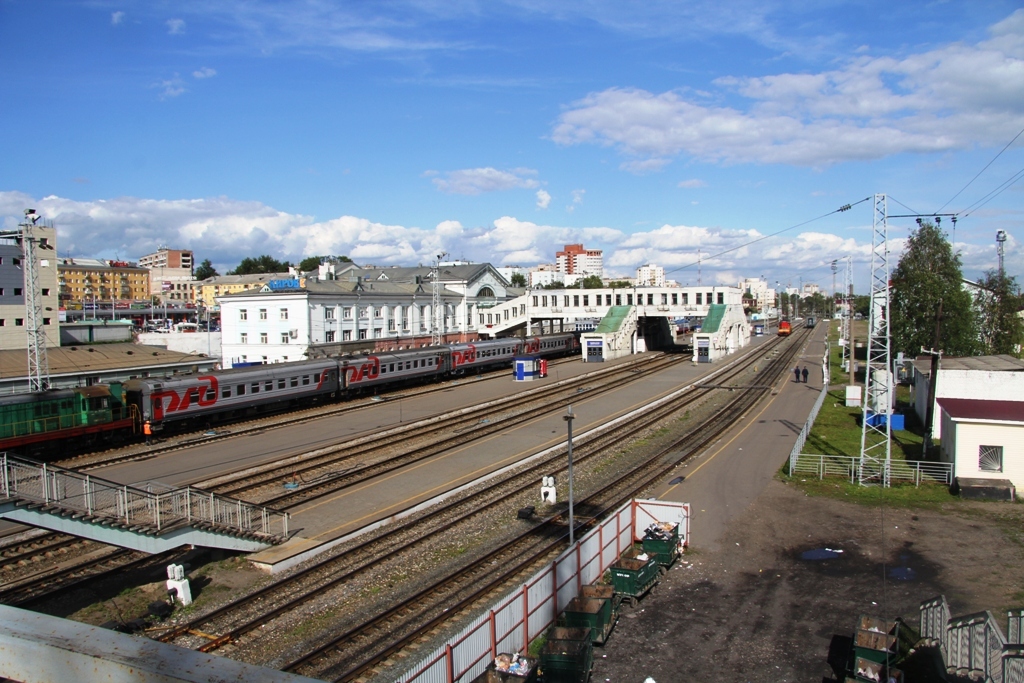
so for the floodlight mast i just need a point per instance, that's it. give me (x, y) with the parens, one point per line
(437, 331)
(38, 365)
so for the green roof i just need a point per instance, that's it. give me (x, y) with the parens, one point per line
(612, 321)
(714, 318)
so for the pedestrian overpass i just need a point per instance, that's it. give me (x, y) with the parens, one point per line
(153, 518)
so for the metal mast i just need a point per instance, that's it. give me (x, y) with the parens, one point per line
(38, 365)
(876, 427)
(436, 333)
(1000, 242)
(848, 300)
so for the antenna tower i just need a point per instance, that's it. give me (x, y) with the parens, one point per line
(436, 331)
(876, 423)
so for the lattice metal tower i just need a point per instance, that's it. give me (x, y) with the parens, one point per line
(436, 312)
(38, 364)
(876, 427)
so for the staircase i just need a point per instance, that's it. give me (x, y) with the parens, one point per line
(153, 519)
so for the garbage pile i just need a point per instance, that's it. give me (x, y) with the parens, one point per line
(659, 531)
(513, 664)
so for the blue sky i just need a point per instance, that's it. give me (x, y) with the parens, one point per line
(499, 131)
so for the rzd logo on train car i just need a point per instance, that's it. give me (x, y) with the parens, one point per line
(361, 372)
(204, 395)
(463, 357)
(531, 346)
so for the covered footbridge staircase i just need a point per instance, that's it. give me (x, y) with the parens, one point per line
(152, 519)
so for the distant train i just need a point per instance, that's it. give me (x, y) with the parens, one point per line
(810, 321)
(785, 329)
(116, 411)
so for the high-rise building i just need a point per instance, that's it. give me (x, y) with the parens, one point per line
(88, 281)
(575, 260)
(14, 316)
(168, 258)
(650, 275)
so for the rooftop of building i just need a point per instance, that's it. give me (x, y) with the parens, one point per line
(983, 409)
(1000, 363)
(97, 357)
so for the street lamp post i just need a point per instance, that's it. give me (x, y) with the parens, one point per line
(568, 417)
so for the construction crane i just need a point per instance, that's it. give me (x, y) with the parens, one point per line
(38, 365)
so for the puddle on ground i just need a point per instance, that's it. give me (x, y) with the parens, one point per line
(677, 480)
(820, 554)
(902, 574)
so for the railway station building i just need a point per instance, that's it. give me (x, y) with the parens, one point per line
(293, 317)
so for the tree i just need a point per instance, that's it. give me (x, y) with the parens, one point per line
(260, 264)
(313, 262)
(997, 302)
(557, 284)
(518, 280)
(206, 270)
(593, 282)
(929, 272)
(620, 284)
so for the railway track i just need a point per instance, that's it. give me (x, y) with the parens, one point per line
(332, 469)
(233, 621)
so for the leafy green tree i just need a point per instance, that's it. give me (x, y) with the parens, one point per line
(929, 272)
(517, 280)
(206, 270)
(620, 284)
(554, 285)
(997, 303)
(260, 264)
(593, 282)
(311, 263)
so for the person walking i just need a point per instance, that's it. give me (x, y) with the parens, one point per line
(804, 373)
(796, 371)
(147, 431)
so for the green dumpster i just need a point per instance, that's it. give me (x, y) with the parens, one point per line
(592, 613)
(661, 541)
(568, 655)
(632, 578)
(602, 591)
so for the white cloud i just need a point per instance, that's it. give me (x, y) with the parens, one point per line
(473, 181)
(950, 98)
(205, 72)
(226, 230)
(175, 27)
(692, 184)
(644, 166)
(171, 87)
(116, 18)
(543, 199)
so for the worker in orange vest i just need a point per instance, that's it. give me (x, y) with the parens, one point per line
(147, 430)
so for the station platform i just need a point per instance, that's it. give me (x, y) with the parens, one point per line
(339, 517)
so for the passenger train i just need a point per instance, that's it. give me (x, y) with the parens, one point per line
(116, 411)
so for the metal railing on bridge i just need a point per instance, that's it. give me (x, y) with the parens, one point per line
(60, 491)
(973, 645)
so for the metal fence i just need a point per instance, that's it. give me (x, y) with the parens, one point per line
(974, 645)
(524, 613)
(915, 471)
(31, 482)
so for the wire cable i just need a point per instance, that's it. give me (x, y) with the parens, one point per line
(982, 170)
(845, 207)
(993, 194)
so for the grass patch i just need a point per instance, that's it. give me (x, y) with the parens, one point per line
(928, 494)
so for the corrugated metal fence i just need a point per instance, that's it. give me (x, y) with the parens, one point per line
(526, 612)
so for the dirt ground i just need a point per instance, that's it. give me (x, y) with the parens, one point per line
(756, 611)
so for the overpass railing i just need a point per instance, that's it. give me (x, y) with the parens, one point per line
(39, 485)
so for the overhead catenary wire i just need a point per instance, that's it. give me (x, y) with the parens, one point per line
(994, 193)
(1019, 133)
(841, 209)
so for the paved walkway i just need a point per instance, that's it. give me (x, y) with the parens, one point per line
(724, 480)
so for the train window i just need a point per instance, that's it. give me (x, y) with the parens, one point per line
(255, 387)
(268, 385)
(392, 367)
(211, 395)
(282, 383)
(225, 392)
(295, 381)
(384, 368)
(305, 380)
(415, 363)
(240, 390)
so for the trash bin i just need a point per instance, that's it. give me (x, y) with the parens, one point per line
(632, 577)
(592, 613)
(602, 591)
(568, 655)
(661, 541)
(508, 668)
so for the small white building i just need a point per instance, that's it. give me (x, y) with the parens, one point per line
(999, 378)
(650, 275)
(984, 439)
